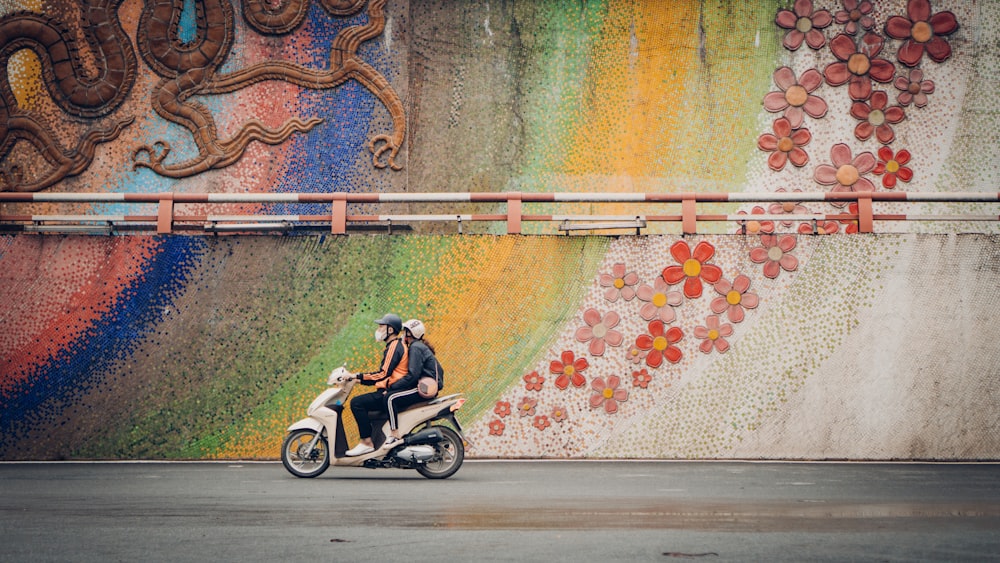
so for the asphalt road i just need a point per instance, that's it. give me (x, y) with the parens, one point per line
(501, 511)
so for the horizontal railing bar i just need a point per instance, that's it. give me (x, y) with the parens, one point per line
(496, 197)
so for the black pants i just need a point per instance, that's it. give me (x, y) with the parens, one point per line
(379, 401)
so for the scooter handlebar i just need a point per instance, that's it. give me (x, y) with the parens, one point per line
(340, 375)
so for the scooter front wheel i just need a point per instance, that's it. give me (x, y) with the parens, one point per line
(302, 460)
(449, 454)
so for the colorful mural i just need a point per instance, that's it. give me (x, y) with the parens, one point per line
(766, 339)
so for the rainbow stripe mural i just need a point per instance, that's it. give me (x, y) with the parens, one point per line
(773, 342)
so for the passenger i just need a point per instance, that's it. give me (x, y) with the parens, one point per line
(405, 393)
(394, 366)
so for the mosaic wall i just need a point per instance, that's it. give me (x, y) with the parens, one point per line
(783, 341)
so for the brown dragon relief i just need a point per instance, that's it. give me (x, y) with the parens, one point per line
(186, 69)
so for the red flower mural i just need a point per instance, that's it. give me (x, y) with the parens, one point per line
(821, 228)
(804, 24)
(877, 118)
(858, 66)
(693, 268)
(893, 166)
(569, 370)
(851, 224)
(787, 207)
(533, 381)
(785, 145)
(502, 408)
(795, 98)
(641, 378)
(922, 32)
(496, 427)
(754, 226)
(659, 344)
(541, 422)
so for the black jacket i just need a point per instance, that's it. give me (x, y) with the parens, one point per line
(422, 364)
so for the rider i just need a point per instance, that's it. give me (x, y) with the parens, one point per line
(422, 363)
(394, 366)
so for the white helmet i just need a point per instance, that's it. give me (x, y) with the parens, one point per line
(415, 327)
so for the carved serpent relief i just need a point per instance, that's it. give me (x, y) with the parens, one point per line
(186, 69)
(77, 90)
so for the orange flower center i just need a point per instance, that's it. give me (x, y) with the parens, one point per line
(892, 167)
(774, 254)
(921, 32)
(786, 144)
(569, 370)
(788, 206)
(859, 64)
(619, 283)
(713, 334)
(692, 268)
(753, 227)
(913, 88)
(734, 297)
(660, 299)
(796, 96)
(855, 15)
(608, 392)
(804, 25)
(847, 175)
(660, 343)
(876, 117)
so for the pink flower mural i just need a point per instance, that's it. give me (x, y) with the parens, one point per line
(607, 393)
(892, 166)
(659, 343)
(922, 31)
(620, 283)
(659, 303)
(821, 228)
(877, 118)
(559, 414)
(859, 66)
(785, 145)
(527, 406)
(804, 24)
(913, 88)
(735, 298)
(774, 254)
(855, 16)
(846, 172)
(713, 335)
(787, 207)
(636, 355)
(599, 331)
(568, 368)
(533, 381)
(795, 97)
(755, 226)
(693, 268)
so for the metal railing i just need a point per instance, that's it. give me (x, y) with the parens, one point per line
(170, 215)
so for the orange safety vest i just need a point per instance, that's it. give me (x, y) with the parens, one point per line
(401, 367)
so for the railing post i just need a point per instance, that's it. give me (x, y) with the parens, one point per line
(165, 214)
(338, 221)
(866, 220)
(514, 213)
(689, 214)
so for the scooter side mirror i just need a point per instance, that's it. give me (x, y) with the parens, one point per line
(339, 375)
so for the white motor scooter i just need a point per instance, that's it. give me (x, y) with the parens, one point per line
(434, 450)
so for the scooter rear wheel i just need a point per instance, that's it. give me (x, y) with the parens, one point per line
(301, 460)
(449, 456)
